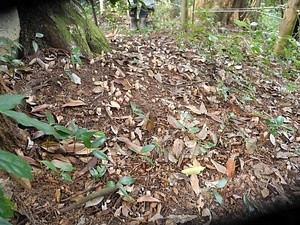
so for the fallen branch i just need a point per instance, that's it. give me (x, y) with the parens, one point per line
(95, 194)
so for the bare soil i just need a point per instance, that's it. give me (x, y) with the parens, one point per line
(170, 83)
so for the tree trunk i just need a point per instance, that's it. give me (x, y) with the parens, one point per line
(224, 17)
(184, 14)
(64, 24)
(287, 25)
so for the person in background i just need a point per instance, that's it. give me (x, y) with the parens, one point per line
(146, 6)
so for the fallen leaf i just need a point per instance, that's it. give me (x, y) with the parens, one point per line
(92, 162)
(24, 182)
(195, 184)
(173, 122)
(148, 123)
(74, 103)
(219, 167)
(75, 78)
(126, 85)
(59, 164)
(251, 145)
(147, 199)
(94, 201)
(39, 108)
(74, 147)
(215, 118)
(230, 167)
(193, 170)
(114, 104)
(177, 147)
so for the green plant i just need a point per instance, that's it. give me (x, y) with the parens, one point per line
(125, 180)
(62, 171)
(12, 51)
(213, 190)
(99, 171)
(276, 126)
(15, 165)
(34, 44)
(222, 90)
(75, 56)
(137, 111)
(145, 149)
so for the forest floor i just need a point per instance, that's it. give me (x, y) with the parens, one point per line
(209, 113)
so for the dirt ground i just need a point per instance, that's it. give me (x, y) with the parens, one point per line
(202, 113)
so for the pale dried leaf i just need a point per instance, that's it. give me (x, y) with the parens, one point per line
(265, 192)
(74, 103)
(39, 108)
(251, 145)
(98, 89)
(173, 122)
(177, 148)
(59, 164)
(94, 201)
(75, 78)
(146, 198)
(203, 133)
(272, 139)
(195, 184)
(115, 104)
(218, 166)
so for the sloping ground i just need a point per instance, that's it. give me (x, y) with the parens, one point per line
(209, 113)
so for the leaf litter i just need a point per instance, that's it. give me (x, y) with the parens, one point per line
(207, 152)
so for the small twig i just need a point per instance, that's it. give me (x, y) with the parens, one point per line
(95, 194)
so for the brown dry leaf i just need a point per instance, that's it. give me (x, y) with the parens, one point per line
(52, 147)
(148, 124)
(177, 148)
(74, 147)
(88, 166)
(114, 104)
(251, 145)
(30, 161)
(126, 85)
(230, 167)
(24, 182)
(146, 198)
(173, 122)
(74, 103)
(203, 133)
(132, 145)
(215, 118)
(218, 166)
(98, 89)
(59, 164)
(195, 184)
(57, 194)
(39, 108)
(94, 201)
(85, 151)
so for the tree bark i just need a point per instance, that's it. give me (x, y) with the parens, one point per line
(287, 25)
(64, 24)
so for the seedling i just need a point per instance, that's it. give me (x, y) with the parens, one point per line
(10, 57)
(145, 149)
(137, 111)
(213, 190)
(62, 171)
(277, 125)
(34, 44)
(126, 180)
(15, 165)
(75, 56)
(100, 170)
